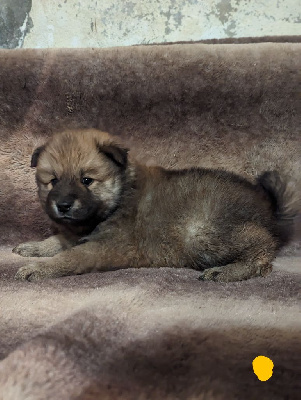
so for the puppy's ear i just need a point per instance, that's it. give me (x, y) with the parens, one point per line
(115, 153)
(35, 156)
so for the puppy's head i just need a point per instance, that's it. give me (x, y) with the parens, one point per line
(80, 176)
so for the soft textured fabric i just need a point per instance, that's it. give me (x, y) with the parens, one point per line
(149, 333)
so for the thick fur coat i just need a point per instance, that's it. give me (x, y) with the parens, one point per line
(114, 213)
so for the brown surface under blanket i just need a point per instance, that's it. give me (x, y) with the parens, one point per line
(149, 333)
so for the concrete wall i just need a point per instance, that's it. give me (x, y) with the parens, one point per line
(104, 23)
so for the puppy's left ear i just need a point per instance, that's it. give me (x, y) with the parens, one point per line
(35, 156)
(115, 153)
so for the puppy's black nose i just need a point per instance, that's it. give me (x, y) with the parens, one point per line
(64, 206)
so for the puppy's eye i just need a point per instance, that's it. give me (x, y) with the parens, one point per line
(87, 181)
(54, 181)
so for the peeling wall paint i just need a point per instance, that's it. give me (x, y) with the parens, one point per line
(15, 22)
(92, 23)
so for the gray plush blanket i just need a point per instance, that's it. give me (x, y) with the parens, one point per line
(149, 333)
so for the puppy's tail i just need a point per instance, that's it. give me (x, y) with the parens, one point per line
(284, 204)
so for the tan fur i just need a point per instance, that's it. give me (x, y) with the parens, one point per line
(132, 215)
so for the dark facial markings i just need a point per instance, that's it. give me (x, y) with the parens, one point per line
(54, 181)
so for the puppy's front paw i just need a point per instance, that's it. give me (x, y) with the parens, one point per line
(36, 272)
(29, 249)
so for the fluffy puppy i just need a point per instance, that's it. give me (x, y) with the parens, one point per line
(113, 213)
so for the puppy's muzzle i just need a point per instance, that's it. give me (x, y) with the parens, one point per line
(64, 206)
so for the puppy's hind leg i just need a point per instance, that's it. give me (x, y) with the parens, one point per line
(238, 271)
(257, 253)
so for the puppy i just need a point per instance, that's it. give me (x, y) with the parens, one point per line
(113, 213)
